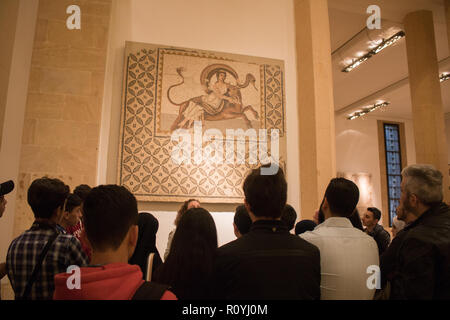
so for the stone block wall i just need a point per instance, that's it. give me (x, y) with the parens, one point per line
(64, 101)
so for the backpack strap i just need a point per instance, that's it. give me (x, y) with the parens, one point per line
(150, 291)
(37, 268)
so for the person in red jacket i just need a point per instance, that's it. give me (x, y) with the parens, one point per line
(81, 191)
(110, 220)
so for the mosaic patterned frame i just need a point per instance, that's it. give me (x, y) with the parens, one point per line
(145, 165)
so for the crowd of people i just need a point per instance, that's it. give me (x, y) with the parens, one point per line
(335, 256)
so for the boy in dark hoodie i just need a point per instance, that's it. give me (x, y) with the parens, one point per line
(110, 217)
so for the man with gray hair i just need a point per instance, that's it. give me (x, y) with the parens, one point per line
(417, 264)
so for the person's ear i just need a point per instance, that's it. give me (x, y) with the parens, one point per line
(413, 200)
(325, 205)
(58, 214)
(236, 231)
(65, 215)
(247, 206)
(250, 213)
(326, 209)
(132, 238)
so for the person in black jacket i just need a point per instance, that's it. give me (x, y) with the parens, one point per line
(417, 263)
(376, 231)
(268, 262)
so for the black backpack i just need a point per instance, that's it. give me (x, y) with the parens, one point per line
(150, 291)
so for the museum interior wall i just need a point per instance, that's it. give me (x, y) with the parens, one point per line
(64, 95)
(270, 31)
(358, 151)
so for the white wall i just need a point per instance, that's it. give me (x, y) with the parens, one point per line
(357, 148)
(263, 28)
(14, 114)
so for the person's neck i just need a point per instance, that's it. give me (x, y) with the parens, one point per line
(52, 220)
(370, 228)
(108, 257)
(63, 224)
(416, 214)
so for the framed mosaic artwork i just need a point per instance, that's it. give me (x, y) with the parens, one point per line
(195, 122)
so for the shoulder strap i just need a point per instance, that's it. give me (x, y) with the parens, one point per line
(150, 291)
(37, 267)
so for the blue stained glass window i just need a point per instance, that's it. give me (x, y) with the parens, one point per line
(393, 167)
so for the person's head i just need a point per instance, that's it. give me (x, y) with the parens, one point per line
(265, 195)
(371, 217)
(5, 188)
(146, 242)
(72, 212)
(397, 226)
(82, 191)
(241, 221)
(188, 204)
(147, 224)
(304, 225)
(289, 216)
(355, 219)
(341, 198)
(421, 187)
(191, 259)
(47, 197)
(110, 218)
(221, 75)
(196, 227)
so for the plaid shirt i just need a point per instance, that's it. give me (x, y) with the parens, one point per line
(23, 255)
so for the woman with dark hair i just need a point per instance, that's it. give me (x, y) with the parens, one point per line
(189, 265)
(146, 243)
(188, 204)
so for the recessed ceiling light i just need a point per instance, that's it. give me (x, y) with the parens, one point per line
(367, 110)
(444, 77)
(383, 45)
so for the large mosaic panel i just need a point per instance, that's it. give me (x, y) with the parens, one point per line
(195, 122)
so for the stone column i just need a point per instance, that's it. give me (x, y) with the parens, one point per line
(315, 103)
(447, 15)
(64, 101)
(8, 20)
(427, 111)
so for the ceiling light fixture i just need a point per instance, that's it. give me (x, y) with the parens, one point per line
(444, 77)
(367, 110)
(383, 45)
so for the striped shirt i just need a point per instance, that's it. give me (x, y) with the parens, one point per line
(23, 255)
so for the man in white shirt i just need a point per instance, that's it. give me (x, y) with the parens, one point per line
(345, 252)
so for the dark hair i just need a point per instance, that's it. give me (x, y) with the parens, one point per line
(183, 210)
(355, 219)
(109, 211)
(82, 191)
(342, 196)
(376, 212)
(242, 219)
(265, 194)
(73, 201)
(321, 215)
(146, 243)
(45, 195)
(304, 225)
(189, 265)
(288, 216)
